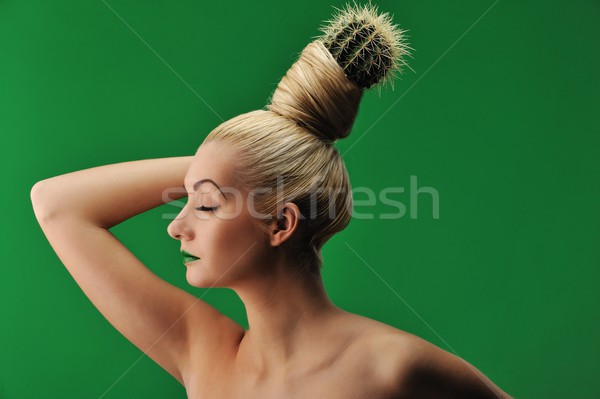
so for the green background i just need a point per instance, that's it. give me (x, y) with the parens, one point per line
(498, 117)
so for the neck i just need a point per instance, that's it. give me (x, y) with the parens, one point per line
(285, 311)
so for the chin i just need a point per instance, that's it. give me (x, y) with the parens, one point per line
(199, 279)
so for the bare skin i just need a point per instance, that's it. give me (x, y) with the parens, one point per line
(298, 345)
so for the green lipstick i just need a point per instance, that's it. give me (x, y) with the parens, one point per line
(188, 257)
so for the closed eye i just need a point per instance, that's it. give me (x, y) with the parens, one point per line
(206, 209)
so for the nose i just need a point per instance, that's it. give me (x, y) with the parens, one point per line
(179, 228)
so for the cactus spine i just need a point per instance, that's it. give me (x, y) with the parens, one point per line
(366, 44)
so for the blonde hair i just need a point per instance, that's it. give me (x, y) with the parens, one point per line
(290, 146)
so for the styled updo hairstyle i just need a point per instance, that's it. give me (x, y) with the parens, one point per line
(286, 152)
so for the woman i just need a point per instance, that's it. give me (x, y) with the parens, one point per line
(266, 190)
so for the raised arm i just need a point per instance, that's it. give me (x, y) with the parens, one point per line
(108, 195)
(75, 211)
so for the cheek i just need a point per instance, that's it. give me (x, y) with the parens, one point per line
(234, 237)
(233, 247)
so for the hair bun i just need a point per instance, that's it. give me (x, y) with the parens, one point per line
(367, 46)
(322, 90)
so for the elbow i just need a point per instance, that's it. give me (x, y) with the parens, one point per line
(35, 193)
(35, 196)
(40, 202)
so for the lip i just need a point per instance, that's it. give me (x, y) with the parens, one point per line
(188, 257)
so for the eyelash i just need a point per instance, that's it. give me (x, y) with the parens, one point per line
(207, 209)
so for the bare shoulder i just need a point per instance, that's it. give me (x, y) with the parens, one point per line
(407, 366)
(383, 352)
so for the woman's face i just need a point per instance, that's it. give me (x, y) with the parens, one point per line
(216, 225)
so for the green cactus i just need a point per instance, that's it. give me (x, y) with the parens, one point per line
(367, 46)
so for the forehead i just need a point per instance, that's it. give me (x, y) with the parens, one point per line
(211, 163)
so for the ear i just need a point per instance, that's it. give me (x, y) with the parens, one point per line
(285, 224)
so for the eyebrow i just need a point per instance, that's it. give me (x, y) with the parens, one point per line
(199, 182)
